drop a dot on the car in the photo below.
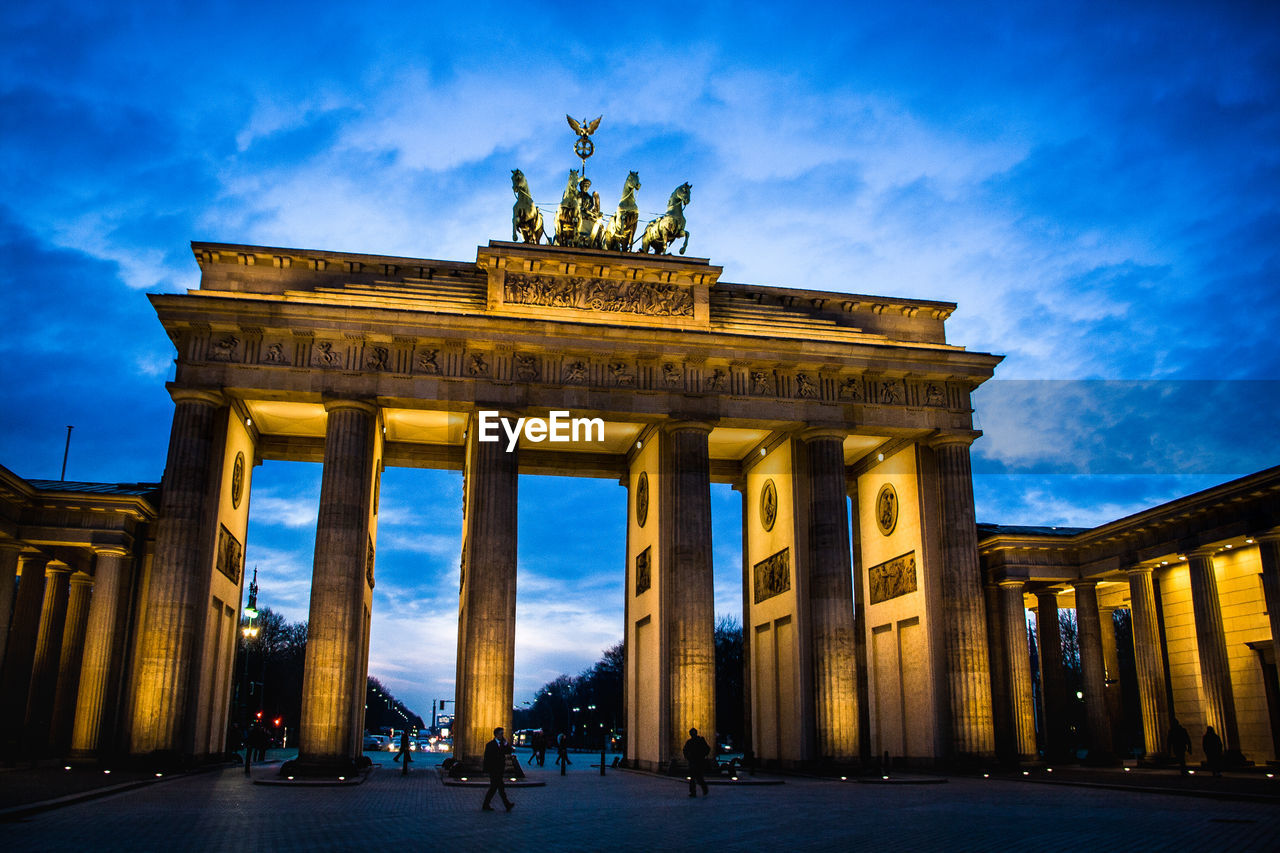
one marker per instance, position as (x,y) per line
(376,743)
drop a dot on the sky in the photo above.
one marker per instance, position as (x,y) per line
(1095,185)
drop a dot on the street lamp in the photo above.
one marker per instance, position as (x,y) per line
(249,630)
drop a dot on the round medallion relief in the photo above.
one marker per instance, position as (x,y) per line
(642,499)
(887,509)
(768,505)
(237,481)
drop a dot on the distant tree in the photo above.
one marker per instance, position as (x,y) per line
(730,701)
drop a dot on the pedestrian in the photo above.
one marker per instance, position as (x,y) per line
(540,747)
(1212,746)
(260,740)
(696,751)
(495,764)
(562,753)
(405,753)
(1179,744)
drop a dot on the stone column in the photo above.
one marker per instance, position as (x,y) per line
(1001,697)
(1053,685)
(1149,660)
(1111,660)
(835,686)
(1093,670)
(335,629)
(860,628)
(690,605)
(9,551)
(1269,554)
(15,682)
(1018,653)
(44,666)
(178,587)
(1211,649)
(487,605)
(964,622)
(98,666)
(64,697)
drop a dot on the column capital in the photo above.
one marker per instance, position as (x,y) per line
(1046,593)
(1139,570)
(1084,582)
(54,567)
(673,425)
(814,433)
(334,404)
(953,439)
(81,579)
(207,396)
(110,551)
(1205,551)
(1012,583)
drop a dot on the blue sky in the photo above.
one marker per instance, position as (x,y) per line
(1095,185)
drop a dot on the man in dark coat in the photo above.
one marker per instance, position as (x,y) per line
(1212,745)
(495,764)
(696,751)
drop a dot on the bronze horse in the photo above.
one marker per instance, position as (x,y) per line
(618,232)
(570,212)
(662,232)
(526,219)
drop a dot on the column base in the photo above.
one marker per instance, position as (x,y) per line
(312,768)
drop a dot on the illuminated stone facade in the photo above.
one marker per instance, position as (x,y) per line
(1197,583)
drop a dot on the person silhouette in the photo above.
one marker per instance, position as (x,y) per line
(1179,744)
(562,753)
(495,764)
(1212,746)
(696,751)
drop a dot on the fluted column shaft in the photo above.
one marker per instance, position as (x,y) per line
(64,698)
(98,666)
(1111,661)
(1018,654)
(1093,667)
(1149,657)
(690,604)
(964,625)
(1269,554)
(1001,698)
(487,611)
(859,628)
(8,589)
(1053,684)
(15,682)
(178,587)
(330,681)
(835,683)
(1211,649)
(44,666)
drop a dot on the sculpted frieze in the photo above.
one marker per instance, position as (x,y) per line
(806,388)
(224,348)
(772,576)
(327,356)
(274,354)
(427,362)
(527,368)
(653,299)
(377,359)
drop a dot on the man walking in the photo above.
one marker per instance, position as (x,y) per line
(696,751)
(1179,744)
(495,764)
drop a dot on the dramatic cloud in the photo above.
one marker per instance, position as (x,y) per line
(1096,190)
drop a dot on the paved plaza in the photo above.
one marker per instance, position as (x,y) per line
(222,810)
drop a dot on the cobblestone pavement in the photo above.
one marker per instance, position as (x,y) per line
(222,810)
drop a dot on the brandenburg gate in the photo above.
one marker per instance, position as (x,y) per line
(843,420)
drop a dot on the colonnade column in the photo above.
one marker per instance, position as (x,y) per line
(487,598)
(965,638)
(176,592)
(687,571)
(332,692)
(835,685)
(1211,649)
(1093,669)
(15,682)
(1053,685)
(1019,656)
(860,628)
(1149,658)
(1001,696)
(9,551)
(98,667)
(44,665)
(1269,553)
(1111,661)
(64,698)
